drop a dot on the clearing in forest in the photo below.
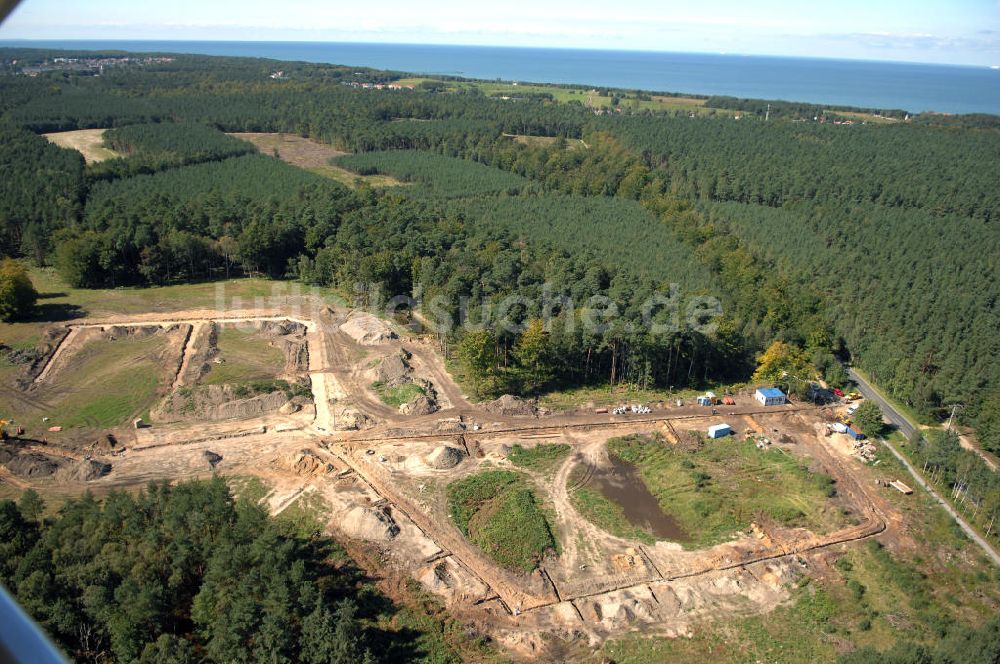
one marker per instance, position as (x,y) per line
(311,156)
(88,142)
(720,486)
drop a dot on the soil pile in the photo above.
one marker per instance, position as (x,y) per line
(509,405)
(347,418)
(421,405)
(443,458)
(136,331)
(368,524)
(84,471)
(450,425)
(32,465)
(217,402)
(305,462)
(368,330)
(290,407)
(394,370)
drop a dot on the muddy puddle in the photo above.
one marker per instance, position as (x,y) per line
(620,483)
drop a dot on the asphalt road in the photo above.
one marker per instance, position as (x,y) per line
(907,429)
(893,415)
(973,535)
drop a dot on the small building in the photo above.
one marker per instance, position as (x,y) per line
(769,396)
(719,430)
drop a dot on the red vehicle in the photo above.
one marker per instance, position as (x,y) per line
(838,392)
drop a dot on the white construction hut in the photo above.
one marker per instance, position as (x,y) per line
(719,430)
(769,396)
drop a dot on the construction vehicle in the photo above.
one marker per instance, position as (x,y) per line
(9,428)
(854,396)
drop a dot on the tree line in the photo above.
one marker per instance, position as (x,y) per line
(186,574)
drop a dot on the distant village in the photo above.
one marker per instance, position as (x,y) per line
(84,65)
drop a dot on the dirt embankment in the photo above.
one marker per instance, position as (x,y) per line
(33,362)
(217,402)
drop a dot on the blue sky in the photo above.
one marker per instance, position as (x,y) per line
(940,31)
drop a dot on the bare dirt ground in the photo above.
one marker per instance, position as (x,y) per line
(375,467)
(85,141)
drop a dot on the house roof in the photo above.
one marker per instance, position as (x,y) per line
(769,392)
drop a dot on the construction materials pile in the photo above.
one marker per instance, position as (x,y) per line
(634,409)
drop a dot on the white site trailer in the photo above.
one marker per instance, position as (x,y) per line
(719,430)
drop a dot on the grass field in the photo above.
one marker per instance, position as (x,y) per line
(498,511)
(104,385)
(718,489)
(88,142)
(248,488)
(312,156)
(246,356)
(397,396)
(540,458)
(307,515)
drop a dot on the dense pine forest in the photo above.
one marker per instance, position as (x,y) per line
(874,244)
(188,573)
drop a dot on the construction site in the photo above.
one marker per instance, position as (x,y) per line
(353,413)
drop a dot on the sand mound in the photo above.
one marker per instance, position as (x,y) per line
(305,462)
(368,330)
(84,471)
(350,419)
(281,328)
(290,407)
(508,404)
(422,405)
(368,524)
(444,457)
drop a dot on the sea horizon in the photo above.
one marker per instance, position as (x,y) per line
(874,84)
